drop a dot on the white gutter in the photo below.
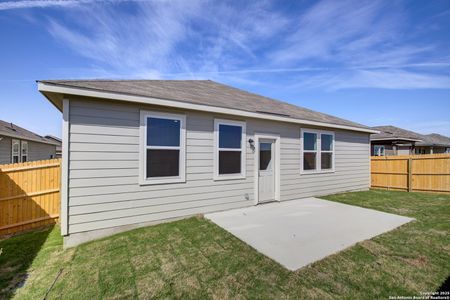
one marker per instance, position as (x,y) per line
(53,88)
(394,139)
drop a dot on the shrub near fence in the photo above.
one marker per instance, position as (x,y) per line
(414,173)
(29,195)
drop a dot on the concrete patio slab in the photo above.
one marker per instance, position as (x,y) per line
(299,232)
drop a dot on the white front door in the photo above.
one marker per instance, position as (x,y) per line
(266,170)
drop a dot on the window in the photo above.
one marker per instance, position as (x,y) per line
(229,152)
(378,150)
(15,151)
(326,151)
(163,148)
(318,151)
(24,149)
(265,156)
(309,151)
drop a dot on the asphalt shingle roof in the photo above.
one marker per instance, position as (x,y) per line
(392,132)
(205,92)
(13,130)
(435,139)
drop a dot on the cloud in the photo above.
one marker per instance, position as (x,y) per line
(327,44)
(379,78)
(38,4)
(167,37)
(142,43)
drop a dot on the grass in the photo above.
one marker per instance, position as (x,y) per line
(194,258)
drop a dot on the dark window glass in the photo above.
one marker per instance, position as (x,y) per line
(309,161)
(265,155)
(325,161)
(162,163)
(229,162)
(24,158)
(309,141)
(163,132)
(15,159)
(230,136)
(327,142)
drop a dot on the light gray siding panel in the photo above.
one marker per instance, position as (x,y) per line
(153,217)
(152,191)
(100,173)
(352,162)
(103,207)
(103,130)
(145,210)
(104,139)
(39,151)
(104,149)
(5,150)
(104,166)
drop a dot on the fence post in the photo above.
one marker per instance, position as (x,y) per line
(410,160)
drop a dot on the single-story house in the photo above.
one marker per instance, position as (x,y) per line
(393,140)
(58,141)
(139,152)
(20,145)
(432,144)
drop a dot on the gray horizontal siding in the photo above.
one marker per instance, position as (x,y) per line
(5,150)
(352,162)
(104,165)
(36,151)
(40,151)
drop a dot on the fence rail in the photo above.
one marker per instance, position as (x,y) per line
(29,195)
(414,173)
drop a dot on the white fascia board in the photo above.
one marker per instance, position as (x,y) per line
(394,139)
(53,88)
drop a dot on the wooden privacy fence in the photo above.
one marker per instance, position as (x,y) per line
(29,195)
(414,173)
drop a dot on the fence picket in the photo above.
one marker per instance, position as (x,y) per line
(29,195)
(414,173)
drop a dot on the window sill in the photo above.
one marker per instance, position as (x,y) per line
(161,181)
(317,172)
(231,177)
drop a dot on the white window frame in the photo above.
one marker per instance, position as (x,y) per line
(15,141)
(243,149)
(382,153)
(143,180)
(318,151)
(22,143)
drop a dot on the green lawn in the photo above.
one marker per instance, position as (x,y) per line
(194,258)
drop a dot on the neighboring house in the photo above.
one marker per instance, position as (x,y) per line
(433,143)
(20,145)
(398,141)
(58,141)
(144,151)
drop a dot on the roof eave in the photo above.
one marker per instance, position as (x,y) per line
(394,139)
(55,92)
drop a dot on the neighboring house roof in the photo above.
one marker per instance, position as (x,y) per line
(390,133)
(14,131)
(54,138)
(207,93)
(434,139)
